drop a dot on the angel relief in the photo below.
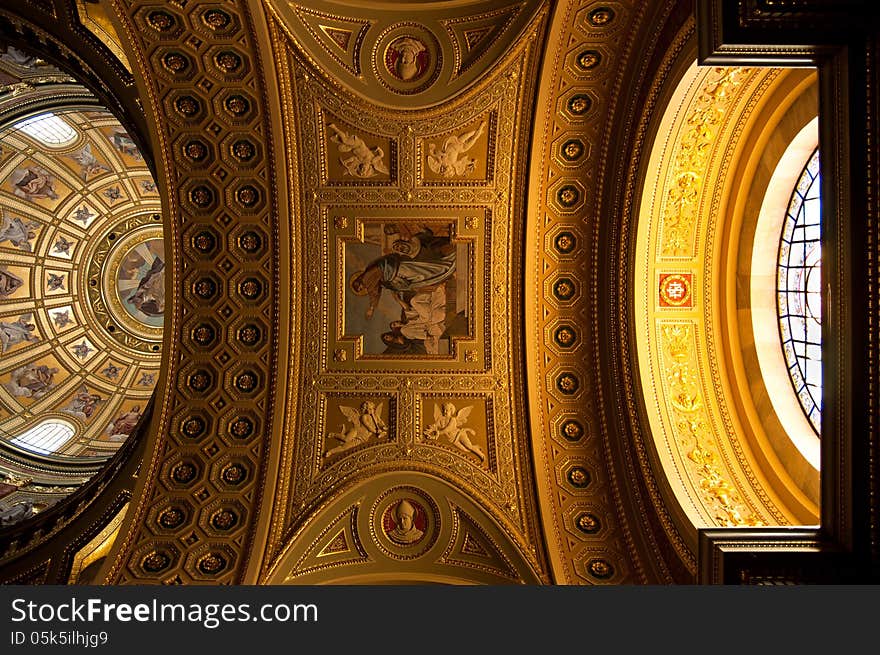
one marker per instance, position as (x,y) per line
(449,425)
(451,160)
(363,161)
(361,425)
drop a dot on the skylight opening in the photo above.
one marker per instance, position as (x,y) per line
(45,438)
(49,129)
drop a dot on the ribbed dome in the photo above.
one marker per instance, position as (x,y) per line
(82,269)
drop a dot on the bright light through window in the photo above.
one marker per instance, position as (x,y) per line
(48,128)
(798,287)
(46,438)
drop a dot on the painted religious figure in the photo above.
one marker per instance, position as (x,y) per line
(449,425)
(125,144)
(83,404)
(33,183)
(141,282)
(9,282)
(31,380)
(123,425)
(15,332)
(365,423)
(407,293)
(451,160)
(18,232)
(15,56)
(88,163)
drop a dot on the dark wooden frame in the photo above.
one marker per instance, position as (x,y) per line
(840,39)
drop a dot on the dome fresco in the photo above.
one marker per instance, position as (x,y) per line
(81,281)
(82,286)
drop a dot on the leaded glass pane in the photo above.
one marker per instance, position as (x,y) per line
(799,301)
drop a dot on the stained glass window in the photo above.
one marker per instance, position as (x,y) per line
(48,128)
(798,291)
(45,438)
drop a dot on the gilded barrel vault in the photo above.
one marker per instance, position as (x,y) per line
(405,376)
(457,291)
(408,349)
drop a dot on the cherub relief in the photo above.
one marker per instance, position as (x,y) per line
(54,282)
(82,350)
(365,424)
(62,246)
(449,424)
(363,162)
(83,215)
(451,160)
(61,318)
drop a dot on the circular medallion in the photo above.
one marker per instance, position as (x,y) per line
(405,522)
(407,58)
(134,282)
(675,290)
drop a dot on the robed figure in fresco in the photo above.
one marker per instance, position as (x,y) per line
(415,273)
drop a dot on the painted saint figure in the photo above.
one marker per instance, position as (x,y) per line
(89,164)
(415,272)
(83,404)
(33,183)
(125,144)
(18,233)
(16,332)
(31,380)
(123,425)
(149,297)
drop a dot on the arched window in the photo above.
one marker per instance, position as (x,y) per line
(48,129)
(799,300)
(46,437)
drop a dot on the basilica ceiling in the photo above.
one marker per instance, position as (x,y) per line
(397,240)
(80,229)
